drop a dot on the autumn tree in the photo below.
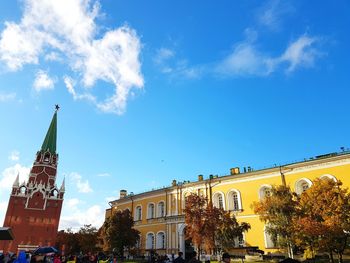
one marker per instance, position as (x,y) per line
(194,219)
(277,211)
(120,232)
(208,226)
(325,217)
(211,222)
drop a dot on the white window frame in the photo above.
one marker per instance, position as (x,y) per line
(150,245)
(138,215)
(262,190)
(160,240)
(268,240)
(159,212)
(238,243)
(230,200)
(150,214)
(138,243)
(298,186)
(216,199)
(332,177)
(184,195)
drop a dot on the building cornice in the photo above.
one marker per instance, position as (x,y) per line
(292,168)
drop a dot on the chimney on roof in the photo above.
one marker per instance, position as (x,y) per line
(123,194)
(234,170)
(200,177)
(173,183)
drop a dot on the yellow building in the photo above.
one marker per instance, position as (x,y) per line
(159,214)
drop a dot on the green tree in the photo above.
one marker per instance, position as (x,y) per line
(67,241)
(120,232)
(87,236)
(277,211)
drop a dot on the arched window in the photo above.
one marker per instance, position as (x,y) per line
(38,156)
(22,190)
(160,240)
(150,211)
(47,157)
(161,209)
(138,213)
(150,241)
(138,242)
(184,196)
(239,241)
(268,239)
(55,193)
(265,191)
(218,200)
(234,200)
(302,185)
(329,176)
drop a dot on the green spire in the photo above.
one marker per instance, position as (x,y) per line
(51,135)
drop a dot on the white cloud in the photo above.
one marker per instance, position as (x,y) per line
(43,81)
(53,56)
(300,53)
(272,13)
(7,96)
(70,83)
(3,208)
(246,59)
(72,203)
(168,63)
(163,54)
(74,218)
(8,176)
(103,175)
(68,28)
(14,155)
(82,186)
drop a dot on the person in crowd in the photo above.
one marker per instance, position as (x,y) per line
(226,258)
(57,259)
(22,257)
(180,258)
(194,258)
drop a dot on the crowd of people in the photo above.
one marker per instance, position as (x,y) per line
(26,257)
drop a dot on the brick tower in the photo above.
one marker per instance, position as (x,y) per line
(34,207)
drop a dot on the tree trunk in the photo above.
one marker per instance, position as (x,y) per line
(340,257)
(331,259)
(290,250)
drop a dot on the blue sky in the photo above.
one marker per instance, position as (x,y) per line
(152,91)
